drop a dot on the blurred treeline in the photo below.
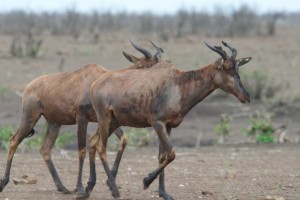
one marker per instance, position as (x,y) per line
(240,22)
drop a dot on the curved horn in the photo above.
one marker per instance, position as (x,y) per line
(158,49)
(233,50)
(218,50)
(146,53)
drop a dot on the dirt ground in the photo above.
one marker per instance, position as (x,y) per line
(244,172)
(252,171)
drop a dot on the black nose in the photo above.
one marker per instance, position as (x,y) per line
(248,99)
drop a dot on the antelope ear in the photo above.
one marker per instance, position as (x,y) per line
(219,63)
(131,58)
(157,58)
(242,61)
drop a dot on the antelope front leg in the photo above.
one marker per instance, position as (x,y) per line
(161,158)
(161,186)
(81,137)
(93,140)
(169,156)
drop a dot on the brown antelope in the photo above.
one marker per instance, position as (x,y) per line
(159,98)
(63,99)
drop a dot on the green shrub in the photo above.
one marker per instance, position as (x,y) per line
(4,92)
(223,128)
(5,134)
(64,138)
(113,143)
(36,141)
(138,137)
(261,129)
(28,47)
(135,137)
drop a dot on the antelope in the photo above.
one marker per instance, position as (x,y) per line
(63,99)
(157,97)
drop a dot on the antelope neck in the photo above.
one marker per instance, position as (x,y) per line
(195,85)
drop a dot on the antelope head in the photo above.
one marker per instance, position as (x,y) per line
(226,74)
(148,60)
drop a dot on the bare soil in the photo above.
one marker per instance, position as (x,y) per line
(242,172)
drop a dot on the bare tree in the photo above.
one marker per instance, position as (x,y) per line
(271,24)
(243,21)
(240,22)
(182,17)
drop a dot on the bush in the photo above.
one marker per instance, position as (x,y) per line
(63,139)
(223,128)
(36,141)
(30,47)
(260,85)
(4,92)
(261,129)
(138,137)
(5,134)
(135,137)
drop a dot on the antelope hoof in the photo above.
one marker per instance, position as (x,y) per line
(147,181)
(88,189)
(64,190)
(114,190)
(113,187)
(165,196)
(3,183)
(115,193)
(79,190)
(82,196)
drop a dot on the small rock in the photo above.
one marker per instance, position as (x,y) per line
(269,197)
(25,179)
(207,193)
(230,174)
(287,186)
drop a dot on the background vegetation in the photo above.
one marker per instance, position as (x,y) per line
(243,21)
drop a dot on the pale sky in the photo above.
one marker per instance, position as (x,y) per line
(154,6)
